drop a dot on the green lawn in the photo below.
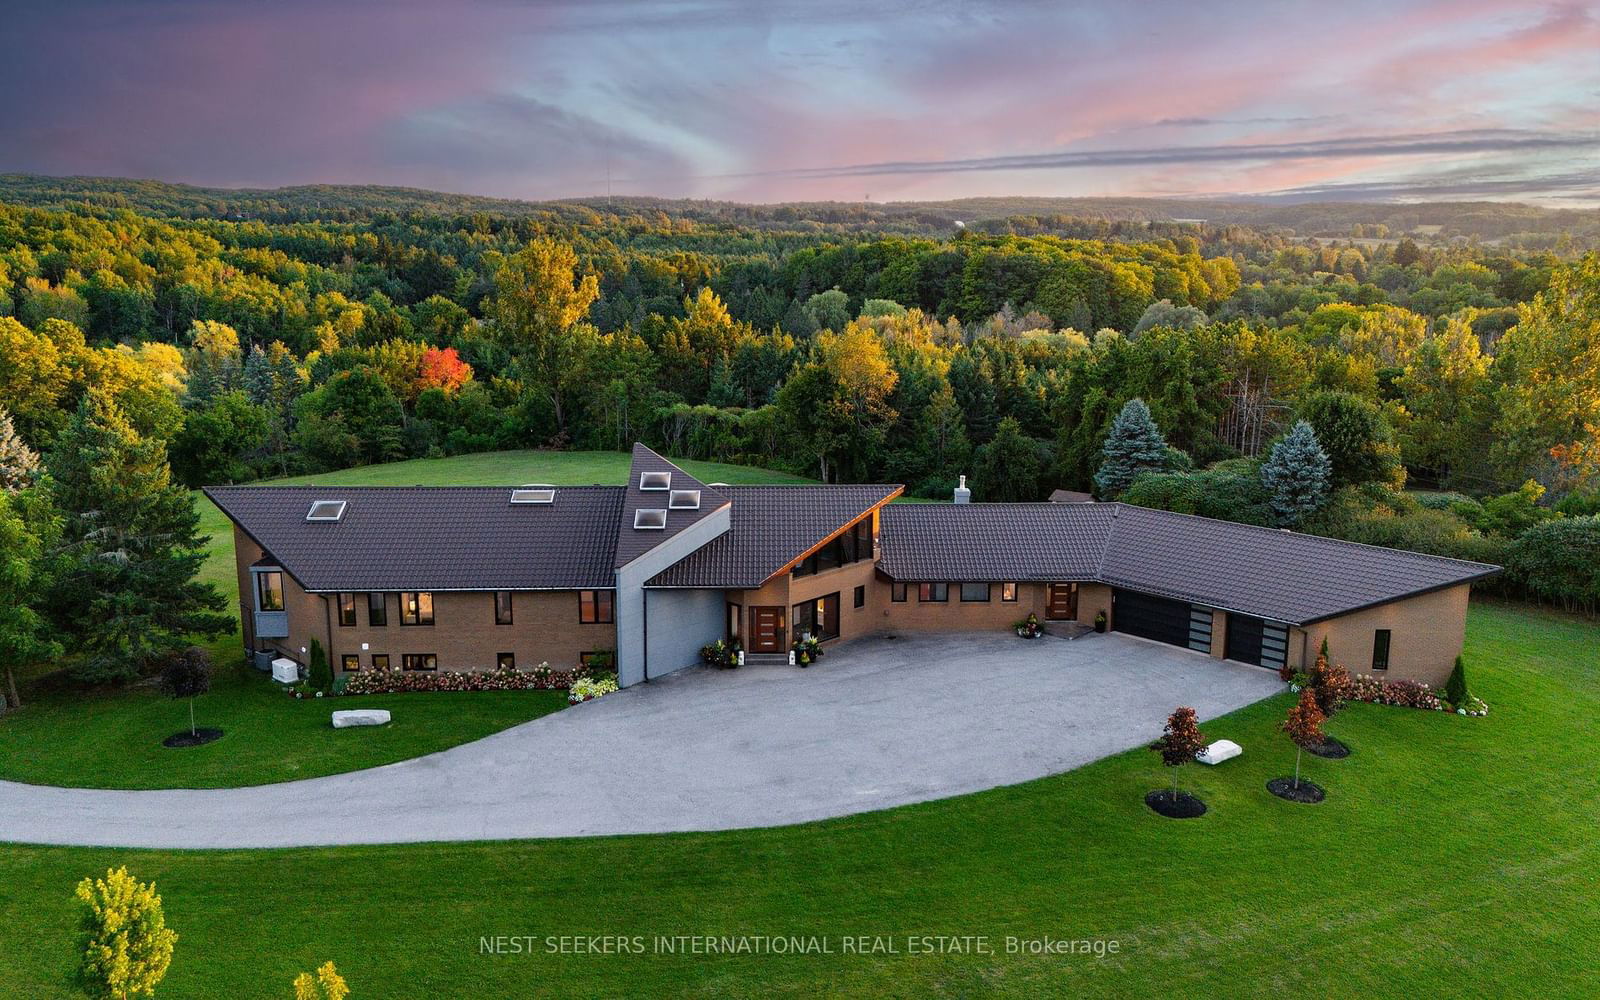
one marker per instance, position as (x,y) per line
(63,736)
(1454,857)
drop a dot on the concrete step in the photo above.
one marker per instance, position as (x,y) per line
(766,659)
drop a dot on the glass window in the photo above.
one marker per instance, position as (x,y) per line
(861,597)
(502,607)
(595,607)
(380,661)
(818,618)
(933,592)
(1380,649)
(377,610)
(897,593)
(350,661)
(416,608)
(735,619)
(269,591)
(506,661)
(419,661)
(1008,592)
(347,609)
(974,592)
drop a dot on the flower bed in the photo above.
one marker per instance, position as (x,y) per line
(1406,694)
(589,688)
(393,681)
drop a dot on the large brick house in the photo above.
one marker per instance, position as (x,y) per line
(470,578)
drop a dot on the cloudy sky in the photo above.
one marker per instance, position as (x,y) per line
(807,99)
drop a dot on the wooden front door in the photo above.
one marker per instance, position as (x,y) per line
(1063,603)
(767,630)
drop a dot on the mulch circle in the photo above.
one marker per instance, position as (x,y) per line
(200,737)
(1284,788)
(1184,806)
(1332,749)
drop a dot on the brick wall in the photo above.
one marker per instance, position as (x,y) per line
(1426,634)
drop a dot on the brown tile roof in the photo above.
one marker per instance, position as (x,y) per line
(1263,572)
(770,527)
(433,537)
(631,542)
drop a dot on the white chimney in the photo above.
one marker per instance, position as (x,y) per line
(963,495)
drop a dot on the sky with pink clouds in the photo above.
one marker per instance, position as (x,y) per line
(815,99)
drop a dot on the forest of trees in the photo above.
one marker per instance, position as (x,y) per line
(254,348)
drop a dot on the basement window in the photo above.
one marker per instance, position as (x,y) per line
(684,500)
(326,510)
(655,480)
(534,494)
(649,519)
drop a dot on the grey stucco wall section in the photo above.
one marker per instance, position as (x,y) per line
(680,622)
(630,591)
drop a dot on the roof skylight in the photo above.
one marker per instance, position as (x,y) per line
(649,519)
(655,480)
(684,500)
(534,493)
(326,510)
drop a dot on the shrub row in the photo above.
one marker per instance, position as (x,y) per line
(1406,694)
(393,681)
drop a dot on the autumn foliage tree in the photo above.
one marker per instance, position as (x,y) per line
(1180,742)
(1330,684)
(1304,726)
(442,368)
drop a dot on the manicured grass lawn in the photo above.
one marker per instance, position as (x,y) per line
(1454,857)
(64,736)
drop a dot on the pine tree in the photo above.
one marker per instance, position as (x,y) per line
(128,593)
(1134,445)
(1009,466)
(19,464)
(257,377)
(1297,472)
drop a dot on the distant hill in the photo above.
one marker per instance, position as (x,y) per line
(359,203)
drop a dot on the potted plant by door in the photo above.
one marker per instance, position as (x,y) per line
(1100,622)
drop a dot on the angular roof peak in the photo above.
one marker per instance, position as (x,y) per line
(652,480)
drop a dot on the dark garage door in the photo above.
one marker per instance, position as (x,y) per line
(1251,640)
(1174,622)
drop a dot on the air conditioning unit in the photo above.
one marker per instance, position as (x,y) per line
(285,671)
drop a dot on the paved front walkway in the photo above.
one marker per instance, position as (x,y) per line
(881,722)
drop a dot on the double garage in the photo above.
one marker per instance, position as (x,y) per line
(1193,626)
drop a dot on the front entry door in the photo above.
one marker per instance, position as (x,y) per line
(766,630)
(1063,603)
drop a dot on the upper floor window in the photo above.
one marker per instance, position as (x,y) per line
(269,591)
(347,609)
(416,608)
(595,607)
(502,607)
(377,610)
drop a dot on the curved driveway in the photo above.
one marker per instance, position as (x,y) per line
(881,722)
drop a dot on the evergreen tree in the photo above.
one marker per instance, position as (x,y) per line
(257,377)
(1134,445)
(19,464)
(723,391)
(1297,472)
(128,592)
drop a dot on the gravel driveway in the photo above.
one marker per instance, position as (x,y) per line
(880,722)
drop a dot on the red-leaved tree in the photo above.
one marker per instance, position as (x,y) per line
(1304,726)
(442,369)
(1179,743)
(1330,685)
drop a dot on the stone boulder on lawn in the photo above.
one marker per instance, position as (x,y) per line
(361,717)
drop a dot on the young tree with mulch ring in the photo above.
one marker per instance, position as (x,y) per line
(187,674)
(1332,688)
(1304,726)
(1180,742)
